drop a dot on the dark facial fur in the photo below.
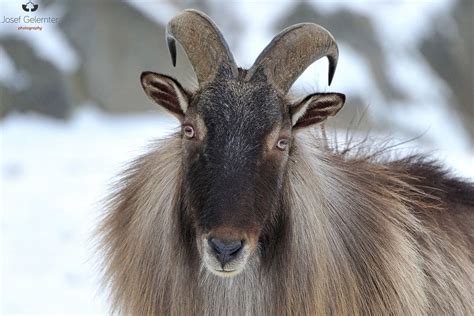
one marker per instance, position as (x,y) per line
(232,177)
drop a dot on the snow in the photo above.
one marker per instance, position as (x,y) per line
(158,11)
(7,67)
(399,22)
(53,177)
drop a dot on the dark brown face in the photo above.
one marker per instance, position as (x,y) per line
(236,138)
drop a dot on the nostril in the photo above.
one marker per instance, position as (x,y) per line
(225,250)
(225,247)
(233,251)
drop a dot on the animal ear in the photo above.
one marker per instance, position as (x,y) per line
(316,108)
(166,92)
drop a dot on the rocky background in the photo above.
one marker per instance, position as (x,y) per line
(112,42)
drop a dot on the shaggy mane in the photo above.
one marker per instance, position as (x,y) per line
(354,236)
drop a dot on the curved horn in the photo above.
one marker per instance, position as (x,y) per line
(203,43)
(292,51)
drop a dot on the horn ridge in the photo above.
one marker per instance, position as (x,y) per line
(292,51)
(203,43)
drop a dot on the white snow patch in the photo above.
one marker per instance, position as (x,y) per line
(7,67)
(396,22)
(53,178)
(159,11)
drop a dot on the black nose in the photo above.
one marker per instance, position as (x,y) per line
(225,250)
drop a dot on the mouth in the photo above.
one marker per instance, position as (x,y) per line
(225,273)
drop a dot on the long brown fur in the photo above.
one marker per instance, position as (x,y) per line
(358,237)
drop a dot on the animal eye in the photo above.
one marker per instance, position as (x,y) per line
(282,144)
(188,131)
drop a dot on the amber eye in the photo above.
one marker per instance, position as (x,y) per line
(188,131)
(282,144)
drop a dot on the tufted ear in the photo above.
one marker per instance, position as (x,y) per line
(166,92)
(316,108)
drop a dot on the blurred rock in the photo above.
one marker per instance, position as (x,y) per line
(116,43)
(39,86)
(450,53)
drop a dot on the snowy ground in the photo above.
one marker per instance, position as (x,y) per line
(53,177)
